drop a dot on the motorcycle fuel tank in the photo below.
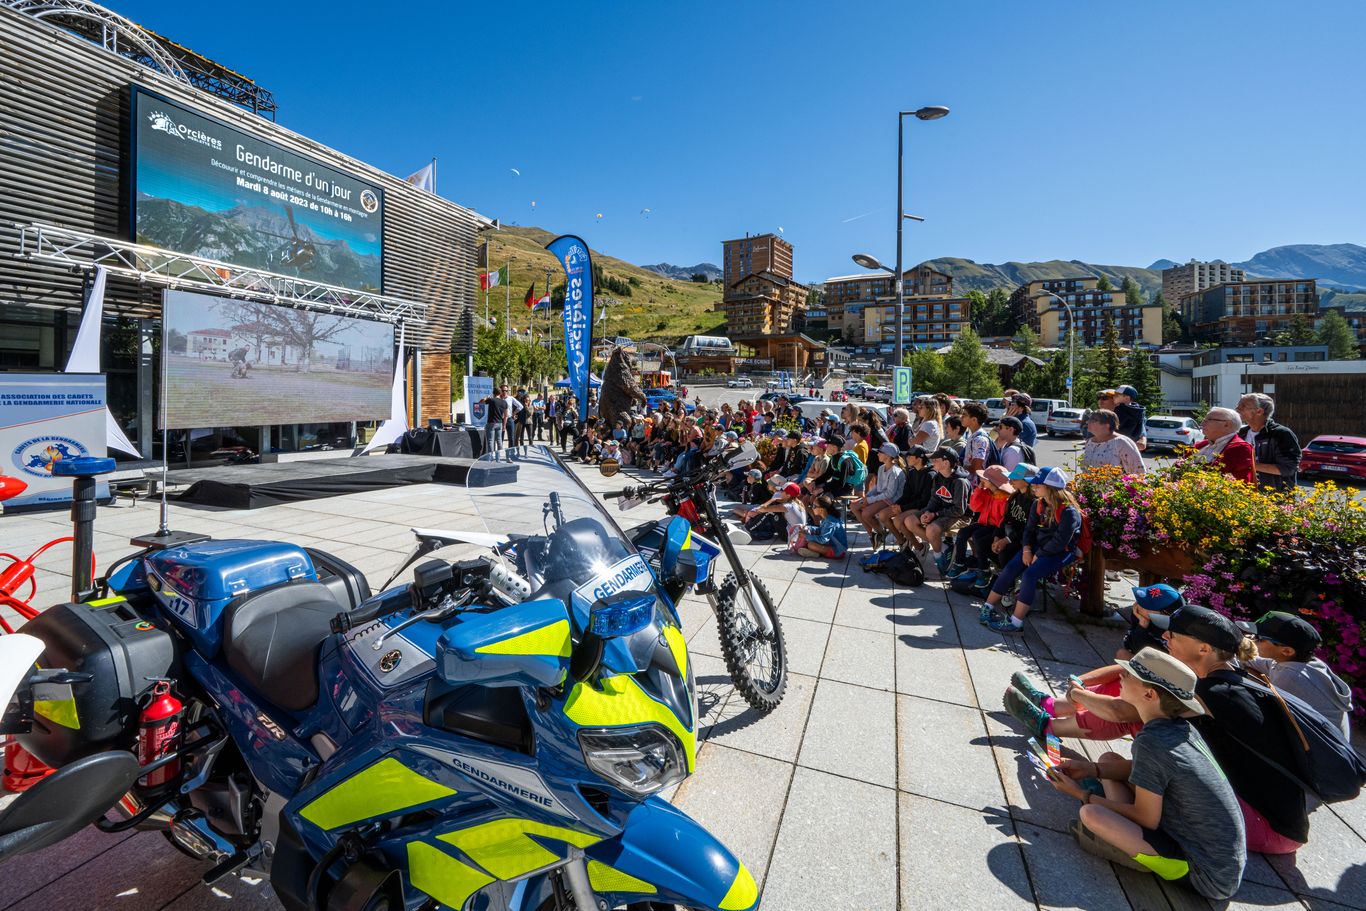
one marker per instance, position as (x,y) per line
(195,583)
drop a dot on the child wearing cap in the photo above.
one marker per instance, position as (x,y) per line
(826,539)
(1170,810)
(915,494)
(1092,711)
(1050,543)
(788,502)
(1009,536)
(947,510)
(1285,654)
(988,503)
(884,492)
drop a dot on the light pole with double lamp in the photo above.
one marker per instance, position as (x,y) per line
(1071,340)
(932,112)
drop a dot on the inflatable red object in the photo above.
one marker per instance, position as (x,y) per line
(11,487)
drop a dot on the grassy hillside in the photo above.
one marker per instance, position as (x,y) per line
(658,309)
(972,276)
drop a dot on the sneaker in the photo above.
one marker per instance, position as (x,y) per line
(982,585)
(922,550)
(1027,713)
(669,474)
(955,570)
(985,613)
(1093,844)
(943,560)
(1029,687)
(1004,624)
(1008,601)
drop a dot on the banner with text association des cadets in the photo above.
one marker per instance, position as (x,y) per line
(572,253)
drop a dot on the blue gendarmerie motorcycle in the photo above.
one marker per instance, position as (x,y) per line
(492,736)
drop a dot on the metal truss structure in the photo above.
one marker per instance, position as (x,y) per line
(128,39)
(151,265)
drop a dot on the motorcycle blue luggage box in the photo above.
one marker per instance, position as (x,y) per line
(195,583)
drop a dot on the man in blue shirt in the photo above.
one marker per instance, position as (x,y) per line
(1020,405)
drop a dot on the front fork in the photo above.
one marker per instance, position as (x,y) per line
(742,578)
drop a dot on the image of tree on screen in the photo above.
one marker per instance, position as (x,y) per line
(249,362)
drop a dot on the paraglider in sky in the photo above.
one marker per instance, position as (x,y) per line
(645,212)
(533,205)
(515,171)
(780,229)
(599,216)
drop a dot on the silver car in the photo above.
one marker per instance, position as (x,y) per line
(1064,422)
(1168,431)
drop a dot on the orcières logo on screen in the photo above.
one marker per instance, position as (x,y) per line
(162,123)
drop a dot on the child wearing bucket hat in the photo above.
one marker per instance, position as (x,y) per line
(1050,544)
(1170,810)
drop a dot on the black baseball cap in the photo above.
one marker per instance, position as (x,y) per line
(1013,423)
(945,453)
(836,440)
(1285,629)
(794,434)
(920,452)
(1198,622)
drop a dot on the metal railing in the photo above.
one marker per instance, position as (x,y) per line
(152,265)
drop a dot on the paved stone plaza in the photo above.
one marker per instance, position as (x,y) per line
(889,779)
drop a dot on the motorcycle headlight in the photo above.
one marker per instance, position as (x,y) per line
(641,759)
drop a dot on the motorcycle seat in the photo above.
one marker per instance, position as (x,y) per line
(271,639)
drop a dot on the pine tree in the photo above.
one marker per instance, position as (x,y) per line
(1103,284)
(1338,335)
(1026,342)
(1142,375)
(1133,294)
(1172,328)
(967,370)
(1111,358)
(927,369)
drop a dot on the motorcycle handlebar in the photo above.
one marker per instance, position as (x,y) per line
(347,621)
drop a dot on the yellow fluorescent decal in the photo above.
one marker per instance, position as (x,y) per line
(101,602)
(552,640)
(441,876)
(679,646)
(504,846)
(743,892)
(383,788)
(609,879)
(623,702)
(58,711)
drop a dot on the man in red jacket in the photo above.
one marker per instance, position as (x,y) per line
(1222,446)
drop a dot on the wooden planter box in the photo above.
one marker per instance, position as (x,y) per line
(1154,564)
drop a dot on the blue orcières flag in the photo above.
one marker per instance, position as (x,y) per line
(573,255)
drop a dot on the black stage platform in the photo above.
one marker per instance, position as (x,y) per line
(255,486)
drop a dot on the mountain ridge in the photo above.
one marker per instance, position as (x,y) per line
(685,273)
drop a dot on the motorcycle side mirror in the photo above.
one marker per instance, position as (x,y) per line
(687,568)
(525,644)
(609,467)
(429,579)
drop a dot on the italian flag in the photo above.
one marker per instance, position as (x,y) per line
(493,279)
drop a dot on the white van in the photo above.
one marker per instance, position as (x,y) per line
(1043,408)
(812,410)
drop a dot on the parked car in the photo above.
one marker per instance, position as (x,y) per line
(1043,408)
(996,409)
(854,387)
(1335,456)
(877,393)
(1064,422)
(812,408)
(740,382)
(792,397)
(1168,431)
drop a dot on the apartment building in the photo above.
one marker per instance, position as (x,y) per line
(1093,309)
(847,296)
(1195,276)
(1243,312)
(928,322)
(760,296)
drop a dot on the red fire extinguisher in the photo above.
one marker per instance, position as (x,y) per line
(159,734)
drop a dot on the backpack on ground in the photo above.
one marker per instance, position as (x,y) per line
(966,583)
(766,526)
(902,567)
(1325,765)
(873,562)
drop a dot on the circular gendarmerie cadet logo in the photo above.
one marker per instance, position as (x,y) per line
(37,456)
(369,201)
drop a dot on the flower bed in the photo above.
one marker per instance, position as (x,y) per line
(1302,552)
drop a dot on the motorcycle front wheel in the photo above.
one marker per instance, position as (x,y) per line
(554,904)
(757,662)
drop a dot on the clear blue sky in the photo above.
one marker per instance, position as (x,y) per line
(1106,132)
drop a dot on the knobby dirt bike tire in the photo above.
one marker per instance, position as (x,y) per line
(731,624)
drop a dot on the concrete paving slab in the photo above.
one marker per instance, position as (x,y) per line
(22,878)
(859,656)
(1066,877)
(836,847)
(925,619)
(247,892)
(851,732)
(932,669)
(1331,866)
(808,601)
(142,873)
(867,610)
(745,819)
(952,857)
(1030,797)
(926,730)
(777,735)
(805,643)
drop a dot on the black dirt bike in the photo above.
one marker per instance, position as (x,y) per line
(747,621)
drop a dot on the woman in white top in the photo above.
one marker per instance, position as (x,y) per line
(1107,447)
(928,429)
(884,493)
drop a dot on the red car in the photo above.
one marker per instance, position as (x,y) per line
(1332,456)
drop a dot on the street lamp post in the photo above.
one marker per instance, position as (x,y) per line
(932,112)
(1071,342)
